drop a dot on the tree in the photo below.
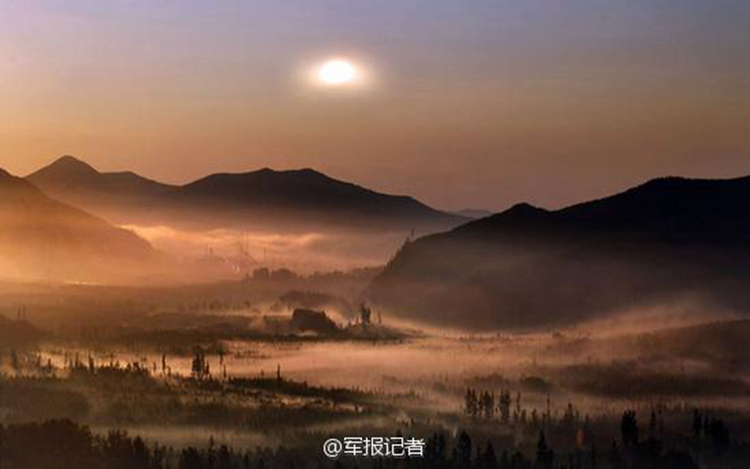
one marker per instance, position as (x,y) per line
(470,402)
(488,404)
(225,458)
(652,426)
(140,456)
(697,424)
(365,314)
(629,428)
(504,406)
(719,434)
(14,361)
(464,448)
(544,456)
(190,459)
(200,367)
(435,450)
(489,458)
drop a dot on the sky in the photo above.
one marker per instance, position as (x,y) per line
(472,103)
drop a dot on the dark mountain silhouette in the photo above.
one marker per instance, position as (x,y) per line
(105,194)
(667,240)
(266,198)
(41,238)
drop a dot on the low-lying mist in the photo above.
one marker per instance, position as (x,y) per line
(231,253)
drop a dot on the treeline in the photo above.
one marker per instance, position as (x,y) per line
(65,444)
(117,395)
(591,443)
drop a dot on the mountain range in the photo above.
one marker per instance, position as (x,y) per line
(43,239)
(669,240)
(265,199)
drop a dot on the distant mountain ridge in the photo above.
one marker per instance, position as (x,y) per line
(297,198)
(474,213)
(105,194)
(43,239)
(667,239)
(669,207)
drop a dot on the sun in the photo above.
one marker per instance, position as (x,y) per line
(337,72)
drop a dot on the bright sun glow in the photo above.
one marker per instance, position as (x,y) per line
(337,72)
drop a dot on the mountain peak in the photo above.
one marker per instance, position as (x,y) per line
(68,166)
(287,172)
(71,163)
(660,241)
(287,197)
(523,209)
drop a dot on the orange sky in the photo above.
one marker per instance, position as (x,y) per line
(475,104)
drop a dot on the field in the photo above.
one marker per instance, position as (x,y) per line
(226,366)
